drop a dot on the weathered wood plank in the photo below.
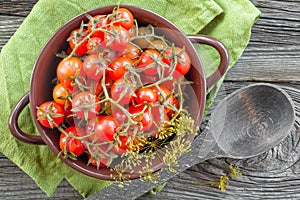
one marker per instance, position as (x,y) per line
(8,26)
(15,184)
(16,7)
(275,44)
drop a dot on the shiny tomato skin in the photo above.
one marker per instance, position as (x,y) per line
(123,18)
(50,109)
(100,22)
(123,146)
(145,96)
(70,144)
(164,96)
(183,62)
(117,38)
(142,115)
(75,38)
(118,67)
(148,58)
(90,129)
(105,128)
(128,143)
(118,88)
(60,94)
(85,105)
(93,67)
(131,51)
(94,44)
(67,69)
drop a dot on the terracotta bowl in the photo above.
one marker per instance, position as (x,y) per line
(45,70)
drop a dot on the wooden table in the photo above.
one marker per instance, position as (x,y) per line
(273,55)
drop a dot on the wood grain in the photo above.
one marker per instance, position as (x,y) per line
(16,7)
(8,26)
(274,45)
(273,55)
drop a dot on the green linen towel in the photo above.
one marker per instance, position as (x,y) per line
(229,21)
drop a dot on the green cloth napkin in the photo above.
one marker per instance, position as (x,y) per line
(229,21)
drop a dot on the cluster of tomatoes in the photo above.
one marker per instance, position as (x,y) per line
(114,89)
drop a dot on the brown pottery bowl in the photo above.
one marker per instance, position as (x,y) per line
(45,70)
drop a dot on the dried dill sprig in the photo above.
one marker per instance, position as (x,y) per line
(148,175)
(184,126)
(168,150)
(223,182)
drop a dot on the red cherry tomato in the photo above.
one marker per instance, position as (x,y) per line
(131,51)
(118,67)
(116,38)
(66,71)
(105,128)
(165,96)
(142,115)
(145,96)
(85,105)
(93,66)
(60,94)
(75,38)
(183,63)
(123,17)
(122,91)
(71,144)
(50,114)
(123,146)
(98,22)
(148,61)
(94,44)
(128,143)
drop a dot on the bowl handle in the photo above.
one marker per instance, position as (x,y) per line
(14,126)
(223,52)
